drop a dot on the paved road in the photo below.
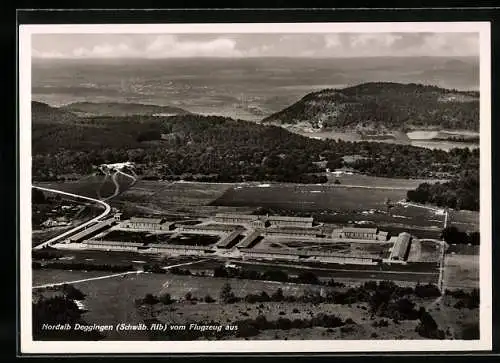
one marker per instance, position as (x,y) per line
(107,210)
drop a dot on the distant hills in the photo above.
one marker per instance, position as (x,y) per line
(121,109)
(44,113)
(383,106)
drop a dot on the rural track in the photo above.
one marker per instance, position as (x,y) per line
(185,264)
(107,210)
(89,279)
(113,275)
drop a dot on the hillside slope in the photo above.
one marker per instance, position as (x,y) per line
(383,106)
(42,113)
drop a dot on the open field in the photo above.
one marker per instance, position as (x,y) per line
(464,220)
(157,197)
(92,186)
(48,276)
(424,251)
(113,300)
(461,265)
(111,258)
(347,180)
(308,198)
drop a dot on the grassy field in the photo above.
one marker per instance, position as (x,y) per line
(461,267)
(424,251)
(93,186)
(465,220)
(49,276)
(308,198)
(371,181)
(157,197)
(112,258)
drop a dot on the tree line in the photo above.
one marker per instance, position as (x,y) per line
(460,193)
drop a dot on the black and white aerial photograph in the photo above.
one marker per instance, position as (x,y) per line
(237,184)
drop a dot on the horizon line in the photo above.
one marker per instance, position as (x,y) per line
(254,57)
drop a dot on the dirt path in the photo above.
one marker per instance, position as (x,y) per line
(89,279)
(113,275)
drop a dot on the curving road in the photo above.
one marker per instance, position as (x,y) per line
(107,210)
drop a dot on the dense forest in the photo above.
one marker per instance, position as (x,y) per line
(213,148)
(384,106)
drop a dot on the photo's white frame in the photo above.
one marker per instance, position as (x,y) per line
(253,346)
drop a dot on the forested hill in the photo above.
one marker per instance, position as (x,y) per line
(42,113)
(212,148)
(384,106)
(120,109)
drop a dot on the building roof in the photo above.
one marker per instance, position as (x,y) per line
(90,230)
(360,230)
(248,240)
(290,219)
(238,216)
(92,242)
(270,218)
(401,245)
(146,220)
(228,240)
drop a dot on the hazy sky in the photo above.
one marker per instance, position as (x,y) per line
(253,45)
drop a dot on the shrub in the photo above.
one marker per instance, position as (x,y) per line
(166,299)
(150,299)
(278,295)
(72,292)
(209,299)
(308,277)
(428,290)
(226,295)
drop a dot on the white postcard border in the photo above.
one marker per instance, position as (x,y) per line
(253,346)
